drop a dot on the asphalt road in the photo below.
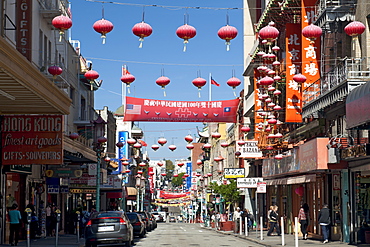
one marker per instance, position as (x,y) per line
(183,235)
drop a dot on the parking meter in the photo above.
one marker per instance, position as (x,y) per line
(57,227)
(28,222)
(78,225)
(58,215)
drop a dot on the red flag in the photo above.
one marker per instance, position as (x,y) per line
(125,71)
(143,143)
(213,82)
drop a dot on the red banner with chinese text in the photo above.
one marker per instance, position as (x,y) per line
(310,55)
(169,195)
(152,110)
(32,139)
(293,110)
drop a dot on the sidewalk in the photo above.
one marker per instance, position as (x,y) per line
(64,240)
(273,241)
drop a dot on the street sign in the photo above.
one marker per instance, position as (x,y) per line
(261,187)
(234,172)
(248,182)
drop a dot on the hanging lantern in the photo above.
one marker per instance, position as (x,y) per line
(172,147)
(233,82)
(199,162)
(139,172)
(209,174)
(265,81)
(312,32)
(188,138)
(74,136)
(127,171)
(278,157)
(131,141)
(207,146)
(62,23)
(176,175)
(218,159)
(55,71)
(299,78)
(216,135)
(272,121)
(103,27)
(268,33)
(119,144)
(190,146)
(238,153)
(186,32)
(198,175)
(163,174)
(91,75)
(128,79)
(163,81)
(160,164)
(241,142)
(142,30)
(102,139)
(180,164)
(137,145)
(245,129)
(277,92)
(162,141)
(155,147)
(278,135)
(186,175)
(125,163)
(354,28)
(277,108)
(142,164)
(224,144)
(227,33)
(199,83)
(151,173)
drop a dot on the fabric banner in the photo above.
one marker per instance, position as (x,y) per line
(169,195)
(152,110)
(310,55)
(293,42)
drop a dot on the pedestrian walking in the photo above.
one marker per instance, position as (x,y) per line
(324,221)
(15,225)
(236,219)
(303,218)
(273,220)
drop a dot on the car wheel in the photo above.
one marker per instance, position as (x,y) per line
(142,234)
(128,244)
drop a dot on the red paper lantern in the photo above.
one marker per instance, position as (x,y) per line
(125,163)
(186,175)
(199,83)
(241,142)
(218,159)
(103,27)
(199,162)
(163,81)
(233,82)
(74,136)
(55,71)
(299,191)
(216,135)
(62,23)
(238,153)
(190,146)
(128,79)
(268,33)
(127,171)
(176,175)
(312,32)
(163,174)
(224,144)
(160,164)
(299,78)
(265,81)
(207,146)
(151,173)
(180,164)
(155,147)
(140,172)
(137,145)
(131,141)
(162,141)
(91,75)
(142,164)
(172,147)
(355,28)
(278,157)
(189,138)
(186,32)
(227,33)
(102,139)
(245,129)
(119,144)
(142,30)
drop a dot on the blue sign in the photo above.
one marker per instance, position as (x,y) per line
(123,151)
(189,171)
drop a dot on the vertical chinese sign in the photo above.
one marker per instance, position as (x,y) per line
(293,66)
(310,55)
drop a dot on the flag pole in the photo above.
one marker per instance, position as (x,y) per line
(210,86)
(124,89)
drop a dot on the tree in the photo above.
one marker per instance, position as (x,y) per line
(177,181)
(169,169)
(229,192)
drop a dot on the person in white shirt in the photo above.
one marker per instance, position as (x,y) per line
(236,219)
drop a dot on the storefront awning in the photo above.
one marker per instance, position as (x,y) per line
(292,180)
(131,191)
(357,106)
(114,194)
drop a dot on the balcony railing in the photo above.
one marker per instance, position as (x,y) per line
(323,5)
(353,71)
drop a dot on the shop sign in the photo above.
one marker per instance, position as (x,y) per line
(248,182)
(21,168)
(53,189)
(261,187)
(355,151)
(234,172)
(249,150)
(32,139)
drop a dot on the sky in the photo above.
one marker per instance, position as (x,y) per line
(162,54)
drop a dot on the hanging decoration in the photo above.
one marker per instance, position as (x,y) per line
(180,164)
(199,83)
(312,32)
(354,28)
(227,33)
(269,33)
(224,144)
(62,23)
(245,129)
(162,141)
(188,138)
(74,136)
(190,146)
(155,147)
(163,81)
(91,75)
(55,71)
(131,141)
(142,30)
(186,31)
(216,135)
(127,78)
(233,82)
(172,147)
(160,164)
(103,27)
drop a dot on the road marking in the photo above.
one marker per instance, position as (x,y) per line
(200,231)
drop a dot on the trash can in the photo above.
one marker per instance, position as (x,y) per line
(367,237)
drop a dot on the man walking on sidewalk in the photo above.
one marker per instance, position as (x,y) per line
(236,219)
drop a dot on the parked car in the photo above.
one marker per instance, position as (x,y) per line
(146,217)
(109,228)
(154,221)
(137,223)
(172,219)
(158,216)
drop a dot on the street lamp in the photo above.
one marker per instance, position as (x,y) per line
(99,146)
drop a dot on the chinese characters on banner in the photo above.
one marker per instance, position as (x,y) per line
(152,110)
(293,66)
(310,55)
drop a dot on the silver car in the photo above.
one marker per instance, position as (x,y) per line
(109,228)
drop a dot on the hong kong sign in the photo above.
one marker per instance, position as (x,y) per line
(138,109)
(32,139)
(234,172)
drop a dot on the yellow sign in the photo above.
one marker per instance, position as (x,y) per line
(75,190)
